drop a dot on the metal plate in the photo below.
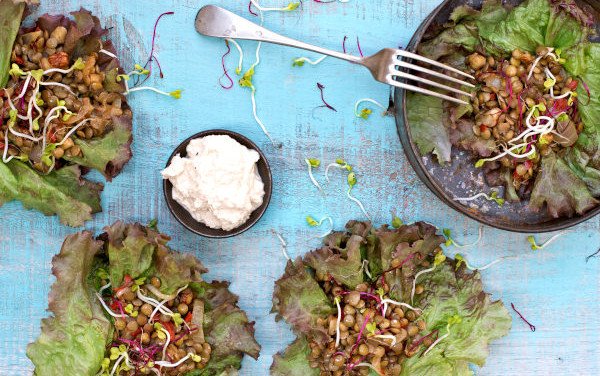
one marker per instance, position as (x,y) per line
(461,178)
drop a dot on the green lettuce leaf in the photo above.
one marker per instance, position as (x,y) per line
(425,116)
(293,361)
(456,292)
(73,340)
(524,27)
(408,243)
(11,14)
(64,192)
(130,252)
(299,300)
(584,157)
(461,134)
(557,186)
(343,261)
(227,328)
(453,38)
(109,153)
(449,291)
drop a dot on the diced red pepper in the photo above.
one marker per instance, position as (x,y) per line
(483,128)
(168,325)
(114,305)
(188,317)
(127,281)
(19,60)
(573,85)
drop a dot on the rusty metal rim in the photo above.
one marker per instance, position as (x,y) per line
(413,156)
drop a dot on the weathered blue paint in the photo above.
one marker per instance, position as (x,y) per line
(554,288)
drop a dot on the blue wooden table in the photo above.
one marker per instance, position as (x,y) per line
(555,288)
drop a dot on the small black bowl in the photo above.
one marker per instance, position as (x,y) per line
(188,221)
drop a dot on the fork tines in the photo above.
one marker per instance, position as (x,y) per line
(397,71)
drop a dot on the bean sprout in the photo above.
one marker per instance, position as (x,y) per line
(66,87)
(167,340)
(535,63)
(368,365)
(6,159)
(436,342)
(173,365)
(161,304)
(73,130)
(108,53)
(310,174)
(119,360)
(358,202)
(414,286)
(387,336)
(283,244)
(339,319)
(385,303)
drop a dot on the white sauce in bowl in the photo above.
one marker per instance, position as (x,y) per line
(218,182)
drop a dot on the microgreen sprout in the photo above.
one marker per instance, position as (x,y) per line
(351,183)
(238,70)
(313,223)
(339,319)
(365,113)
(535,246)
(451,321)
(77,65)
(450,241)
(246,81)
(194,357)
(438,260)
(371,328)
(313,163)
(289,8)
(152,57)
(396,222)
(299,62)
(283,244)
(460,260)
(491,197)
(173,94)
(224,67)
(593,255)
(531,326)
(508,151)
(339,164)
(321,88)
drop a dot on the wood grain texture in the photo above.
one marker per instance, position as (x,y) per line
(555,288)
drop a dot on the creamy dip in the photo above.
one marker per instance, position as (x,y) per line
(218,182)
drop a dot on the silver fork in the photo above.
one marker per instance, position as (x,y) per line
(386,66)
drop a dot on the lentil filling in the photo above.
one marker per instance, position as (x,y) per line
(527,105)
(61,90)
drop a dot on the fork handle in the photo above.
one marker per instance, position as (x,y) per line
(215,21)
